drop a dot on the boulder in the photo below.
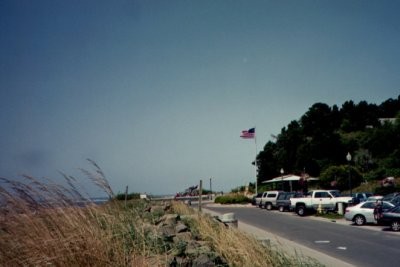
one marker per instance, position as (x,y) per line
(203,260)
(181,227)
(184,236)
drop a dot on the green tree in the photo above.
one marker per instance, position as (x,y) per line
(321,138)
(340,177)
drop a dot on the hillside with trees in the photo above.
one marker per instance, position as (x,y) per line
(317,144)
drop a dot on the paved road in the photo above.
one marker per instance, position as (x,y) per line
(360,246)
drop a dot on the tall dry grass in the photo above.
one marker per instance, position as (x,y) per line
(41,225)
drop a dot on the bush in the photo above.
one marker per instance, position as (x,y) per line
(130,196)
(232,199)
(386,190)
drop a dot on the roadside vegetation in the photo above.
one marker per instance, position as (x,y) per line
(44,224)
(233,198)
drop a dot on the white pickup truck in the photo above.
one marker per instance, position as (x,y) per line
(324,199)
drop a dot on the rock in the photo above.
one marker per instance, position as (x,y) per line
(167,207)
(181,227)
(179,248)
(168,219)
(185,236)
(148,209)
(194,248)
(203,260)
(167,231)
(184,262)
(183,247)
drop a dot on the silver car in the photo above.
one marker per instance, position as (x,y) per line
(363,212)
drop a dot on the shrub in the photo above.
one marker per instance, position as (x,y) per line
(386,190)
(232,199)
(130,196)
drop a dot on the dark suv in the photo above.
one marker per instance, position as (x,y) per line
(283,200)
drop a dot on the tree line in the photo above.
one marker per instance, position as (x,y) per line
(317,144)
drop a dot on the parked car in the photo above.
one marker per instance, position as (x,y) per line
(283,200)
(255,201)
(374,198)
(396,200)
(393,198)
(363,212)
(268,199)
(361,196)
(392,218)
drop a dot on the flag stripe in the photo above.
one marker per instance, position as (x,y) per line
(248,134)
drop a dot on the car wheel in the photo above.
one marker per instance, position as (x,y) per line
(268,206)
(301,210)
(395,226)
(359,220)
(281,208)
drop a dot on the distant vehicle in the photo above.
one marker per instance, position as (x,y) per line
(393,197)
(363,212)
(283,200)
(255,201)
(374,198)
(361,196)
(396,200)
(324,199)
(392,218)
(268,199)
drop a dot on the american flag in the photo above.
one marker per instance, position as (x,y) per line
(248,134)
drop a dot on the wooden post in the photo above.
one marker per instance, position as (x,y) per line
(126,195)
(200,194)
(210,190)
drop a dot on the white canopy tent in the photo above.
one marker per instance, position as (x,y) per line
(288,178)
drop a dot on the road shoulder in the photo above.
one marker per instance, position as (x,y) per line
(287,245)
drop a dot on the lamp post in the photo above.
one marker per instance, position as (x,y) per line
(282,171)
(348,157)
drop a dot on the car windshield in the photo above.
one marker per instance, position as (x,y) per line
(389,196)
(335,193)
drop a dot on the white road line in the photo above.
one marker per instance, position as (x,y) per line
(322,241)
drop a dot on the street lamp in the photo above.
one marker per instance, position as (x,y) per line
(348,157)
(282,171)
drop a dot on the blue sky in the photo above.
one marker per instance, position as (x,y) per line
(157,92)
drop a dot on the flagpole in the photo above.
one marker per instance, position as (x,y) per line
(251,134)
(255,160)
